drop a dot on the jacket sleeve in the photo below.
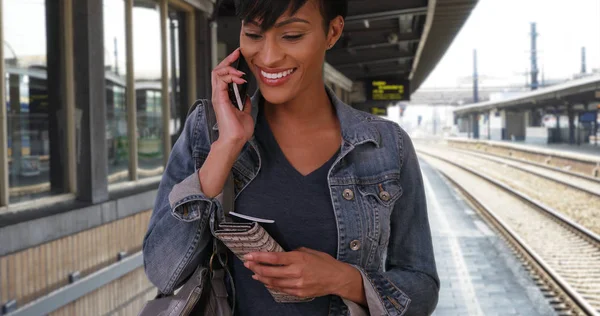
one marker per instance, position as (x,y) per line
(178,236)
(409,284)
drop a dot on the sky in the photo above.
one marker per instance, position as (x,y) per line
(24,27)
(499,30)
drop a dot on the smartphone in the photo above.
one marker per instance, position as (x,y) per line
(237,92)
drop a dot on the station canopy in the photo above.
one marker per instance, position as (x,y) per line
(403,39)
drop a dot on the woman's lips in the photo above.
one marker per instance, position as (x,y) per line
(273,79)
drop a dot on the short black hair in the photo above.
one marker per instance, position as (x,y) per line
(270,10)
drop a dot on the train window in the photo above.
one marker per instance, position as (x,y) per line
(27,99)
(117,144)
(147,69)
(176,55)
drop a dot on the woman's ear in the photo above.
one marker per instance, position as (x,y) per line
(336,27)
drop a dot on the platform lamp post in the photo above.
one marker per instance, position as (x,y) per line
(583,65)
(534,66)
(475,78)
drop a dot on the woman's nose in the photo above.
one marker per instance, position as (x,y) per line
(271,54)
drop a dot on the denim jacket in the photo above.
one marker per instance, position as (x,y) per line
(378,201)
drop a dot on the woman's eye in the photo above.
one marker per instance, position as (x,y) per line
(253,36)
(293,37)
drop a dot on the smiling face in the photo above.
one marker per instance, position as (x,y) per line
(287,59)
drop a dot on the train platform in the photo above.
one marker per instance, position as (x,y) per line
(583,149)
(479,274)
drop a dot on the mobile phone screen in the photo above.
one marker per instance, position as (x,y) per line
(237,92)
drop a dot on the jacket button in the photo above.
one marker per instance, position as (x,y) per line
(348,194)
(355,245)
(384,195)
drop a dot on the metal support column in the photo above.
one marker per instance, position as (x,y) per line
(534,57)
(166,109)
(175,107)
(534,118)
(570,114)
(578,129)
(475,78)
(69,94)
(15,124)
(590,108)
(526,122)
(61,97)
(191,59)
(596,129)
(90,98)
(476,126)
(3,127)
(203,55)
(470,126)
(130,96)
(558,138)
(213,44)
(489,125)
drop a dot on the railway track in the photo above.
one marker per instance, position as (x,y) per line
(563,167)
(575,181)
(562,256)
(582,206)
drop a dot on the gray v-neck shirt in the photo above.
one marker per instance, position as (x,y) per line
(303,212)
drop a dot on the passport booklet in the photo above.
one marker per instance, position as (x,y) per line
(246,234)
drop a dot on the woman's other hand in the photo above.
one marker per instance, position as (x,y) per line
(235,127)
(306,273)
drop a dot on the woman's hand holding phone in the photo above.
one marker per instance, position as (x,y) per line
(235,128)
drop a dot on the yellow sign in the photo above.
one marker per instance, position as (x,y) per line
(378,111)
(384,91)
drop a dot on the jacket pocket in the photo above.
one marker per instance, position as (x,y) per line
(377,198)
(383,193)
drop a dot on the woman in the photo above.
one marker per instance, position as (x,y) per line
(343,186)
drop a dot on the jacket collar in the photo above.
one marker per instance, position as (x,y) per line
(356,127)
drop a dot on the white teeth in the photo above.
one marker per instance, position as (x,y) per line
(277,75)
